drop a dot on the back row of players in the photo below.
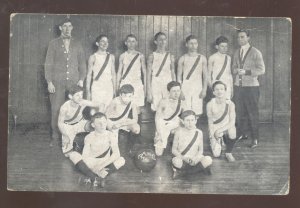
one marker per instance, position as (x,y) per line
(175,102)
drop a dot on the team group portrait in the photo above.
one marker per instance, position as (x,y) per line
(149,104)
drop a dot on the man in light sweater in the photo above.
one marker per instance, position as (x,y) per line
(248,64)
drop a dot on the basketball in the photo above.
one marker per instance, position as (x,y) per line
(145,160)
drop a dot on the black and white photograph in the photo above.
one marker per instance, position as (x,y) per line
(149,104)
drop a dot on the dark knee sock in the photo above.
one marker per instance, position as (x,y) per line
(82,167)
(229,143)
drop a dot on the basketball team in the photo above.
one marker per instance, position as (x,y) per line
(116,98)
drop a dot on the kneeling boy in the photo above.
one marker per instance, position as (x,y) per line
(70,119)
(188,148)
(221,121)
(167,116)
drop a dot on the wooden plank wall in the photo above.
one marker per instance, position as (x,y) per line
(31,33)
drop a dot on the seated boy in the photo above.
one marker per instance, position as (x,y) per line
(166,117)
(188,148)
(221,121)
(100,154)
(70,119)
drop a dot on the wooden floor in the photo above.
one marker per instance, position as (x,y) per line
(34,166)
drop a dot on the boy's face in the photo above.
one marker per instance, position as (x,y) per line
(131,43)
(77,97)
(192,45)
(66,29)
(243,39)
(99,124)
(219,90)
(161,41)
(103,43)
(222,48)
(175,92)
(126,97)
(189,122)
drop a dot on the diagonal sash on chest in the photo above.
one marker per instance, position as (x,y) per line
(74,116)
(162,64)
(222,70)
(193,68)
(242,62)
(123,114)
(103,67)
(219,120)
(130,66)
(105,153)
(176,111)
(190,144)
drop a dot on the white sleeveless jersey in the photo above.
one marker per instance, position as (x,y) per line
(217,67)
(188,62)
(99,61)
(135,71)
(166,70)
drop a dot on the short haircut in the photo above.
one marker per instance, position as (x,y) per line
(126,88)
(244,31)
(74,89)
(221,39)
(97,115)
(131,36)
(100,37)
(218,82)
(190,37)
(65,20)
(159,34)
(187,113)
(173,84)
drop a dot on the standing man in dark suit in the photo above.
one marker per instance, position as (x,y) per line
(248,64)
(65,66)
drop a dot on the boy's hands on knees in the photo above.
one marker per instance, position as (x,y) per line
(80,83)
(202,94)
(149,98)
(218,134)
(51,87)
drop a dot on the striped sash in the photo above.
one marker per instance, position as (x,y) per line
(162,64)
(105,153)
(130,66)
(219,120)
(190,144)
(176,111)
(223,69)
(193,68)
(123,114)
(103,67)
(74,116)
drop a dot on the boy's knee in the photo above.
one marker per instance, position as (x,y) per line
(136,129)
(119,162)
(206,161)
(159,151)
(75,157)
(177,162)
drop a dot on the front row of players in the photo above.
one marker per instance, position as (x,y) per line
(100,154)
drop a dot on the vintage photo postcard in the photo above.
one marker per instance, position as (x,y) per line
(149,104)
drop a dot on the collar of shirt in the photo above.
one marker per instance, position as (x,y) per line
(245,47)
